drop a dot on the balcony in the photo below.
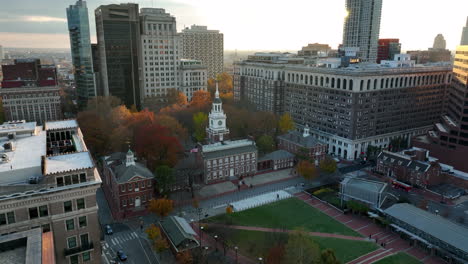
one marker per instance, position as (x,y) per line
(75,250)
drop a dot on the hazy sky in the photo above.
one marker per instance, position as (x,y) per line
(248,24)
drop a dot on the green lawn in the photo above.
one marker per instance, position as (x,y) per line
(256,244)
(287,214)
(399,258)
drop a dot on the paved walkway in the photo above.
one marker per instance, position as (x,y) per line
(206,239)
(393,242)
(276,230)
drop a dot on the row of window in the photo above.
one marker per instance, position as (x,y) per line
(70,179)
(137,185)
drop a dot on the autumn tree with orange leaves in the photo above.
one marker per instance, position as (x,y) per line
(307,170)
(184,257)
(162,206)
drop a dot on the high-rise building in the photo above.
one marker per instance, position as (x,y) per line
(30,92)
(388,48)
(315,49)
(362,27)
(48,181)
(439,42)
(348,108)
(80,44)
(448,141)
(2,54)
(160,48)
(118,39)
(205,45)
(464,38)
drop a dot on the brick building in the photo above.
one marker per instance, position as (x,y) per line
(304,143)
(49,181)
(128,185)
(276,160)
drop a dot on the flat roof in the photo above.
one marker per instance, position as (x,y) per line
(25,159)
(365,184)
(227,145)
(434,225)
(62,124)
(22,247)
(17,127)
(68,162)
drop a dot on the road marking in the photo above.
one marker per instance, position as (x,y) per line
(134,235)
(114,241)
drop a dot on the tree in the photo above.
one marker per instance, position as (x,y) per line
(200,120)
(275,255)
(176,97)
(307,170)
(301,249)
(157,145)
(328,257)
(229,209)
(161,245)
(328,165)
(200,99)
(162,207)
(225,84)
(174,126)
(153,232)
(184,257)
(165,178)
(286,123)
(265,144)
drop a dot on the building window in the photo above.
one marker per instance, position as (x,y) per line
(80,203)
(7,218)
(143,184)
(43,211)
(59,181)
(67,180)
(82,221)
(71,242)
(67,206)
(45,228)
(86,256)
(84,239)
(124,202)
(74,259)
(75,179)
(33,213)
(83,177)
(130,187)
(70,224)
(149,183)
(122,188)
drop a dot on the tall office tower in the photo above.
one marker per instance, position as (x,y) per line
(448,141)
(48,182)
(362,27)
(439,42)
(2,54)
(160,47)
(205,45)
(464,38)
(387,49)
(80,44)
(118,37)
(96,67)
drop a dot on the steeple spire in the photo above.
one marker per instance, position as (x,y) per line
(217,91)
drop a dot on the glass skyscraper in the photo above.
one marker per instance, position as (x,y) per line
(80,44)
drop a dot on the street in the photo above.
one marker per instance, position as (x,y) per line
(132,242)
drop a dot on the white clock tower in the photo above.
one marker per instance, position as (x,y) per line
(217,129)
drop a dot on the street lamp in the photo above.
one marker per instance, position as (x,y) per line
(236,248)
(201,234)
(216,242)
(260,259)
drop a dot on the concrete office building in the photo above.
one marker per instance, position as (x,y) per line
(160,47)
(353,107)
(118,40)
(439,42)
(362,27)
(193,77)
(204,45)
(49,181)
(2,54)
(80,44)
(464,38)
(30,92)
(448,140)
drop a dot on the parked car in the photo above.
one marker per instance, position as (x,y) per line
(108,230)
(121,255)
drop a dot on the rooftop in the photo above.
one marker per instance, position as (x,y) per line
(227,145)
(298,138)
(364,184)
(434,225)
(62,124)
(68,162)
(180,234)
(276,155)
(26,247)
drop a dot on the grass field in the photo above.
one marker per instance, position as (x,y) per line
(256,244)
(287,214)
(399,258)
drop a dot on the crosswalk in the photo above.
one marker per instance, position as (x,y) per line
(119,239)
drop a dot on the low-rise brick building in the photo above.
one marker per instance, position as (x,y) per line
(304,144)
(128,185)
(276,160)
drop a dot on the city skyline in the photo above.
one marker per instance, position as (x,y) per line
(47,27)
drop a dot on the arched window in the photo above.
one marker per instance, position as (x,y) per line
(333,83)
(321,81)
(338,83)
(375,84)
(344,83)
(361,86)
(351,83)
(327,81)
(386,82)
(316,80)
(368,84)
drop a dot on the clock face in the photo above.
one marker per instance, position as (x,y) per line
(220,122)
